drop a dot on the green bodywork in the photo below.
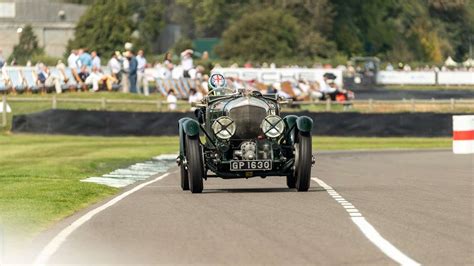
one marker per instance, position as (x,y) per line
(187,127)
(304,124)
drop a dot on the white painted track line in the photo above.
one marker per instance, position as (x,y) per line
(56,242)
(367,229)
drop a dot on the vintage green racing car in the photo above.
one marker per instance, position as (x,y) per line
(243,136)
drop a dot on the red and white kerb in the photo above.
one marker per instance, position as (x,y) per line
(463,134)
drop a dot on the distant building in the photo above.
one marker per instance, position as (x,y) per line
(53,23)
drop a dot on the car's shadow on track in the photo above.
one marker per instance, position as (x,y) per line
(259,190)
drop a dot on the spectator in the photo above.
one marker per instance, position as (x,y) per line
(83,75)
(187,62)
(168,65)
(72,60)
(48,80)
(171,100)
(389,67)
(205,56)
(125,70)
(60,65)
(141,77)
(85,58)
(194,96)
(96,62)
(115,66)
(73,63)
(329,89)
(2,60)
(133,69)
(97,78)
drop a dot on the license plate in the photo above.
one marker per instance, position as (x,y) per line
(251,165)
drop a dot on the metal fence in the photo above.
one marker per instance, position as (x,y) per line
(161,105)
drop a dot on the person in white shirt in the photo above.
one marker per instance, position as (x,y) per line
(94,78)
(115,66)
(47,79)
(187,62)
(72,60)
(125,72)
(74,64)
(95,60)
(141,77)
(194,96)
(171,100)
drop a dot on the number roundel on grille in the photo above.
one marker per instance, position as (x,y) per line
(217,81)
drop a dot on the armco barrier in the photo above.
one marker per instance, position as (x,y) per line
(103,123)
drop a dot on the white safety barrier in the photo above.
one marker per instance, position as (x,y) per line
(463,134)
(456,78)
(272,75)
(407,77)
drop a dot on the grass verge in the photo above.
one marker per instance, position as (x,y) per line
(39,174)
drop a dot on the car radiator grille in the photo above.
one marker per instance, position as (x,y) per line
(247,120)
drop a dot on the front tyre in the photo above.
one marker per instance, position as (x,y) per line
(195,164)
(303,162)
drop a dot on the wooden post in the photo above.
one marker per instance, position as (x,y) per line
(452,104)
(103,103)
(328,105)
(413,107)
(371,102)
(54,102)
(4,111)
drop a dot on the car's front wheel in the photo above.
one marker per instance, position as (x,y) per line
(195,164)
(303,161)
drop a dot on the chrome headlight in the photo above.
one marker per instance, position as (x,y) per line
(224,127)
(273,126)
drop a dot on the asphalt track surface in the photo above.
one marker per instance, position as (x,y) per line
(420,202)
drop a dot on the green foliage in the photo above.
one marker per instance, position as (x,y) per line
(105,27)
(45,59)
(108,24)
(181,45)
(395,30)
(27,48)
(263,34)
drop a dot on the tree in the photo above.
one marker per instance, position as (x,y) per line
(105,27)
(212,17)
(108,24)
(27,48)
(261,35)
